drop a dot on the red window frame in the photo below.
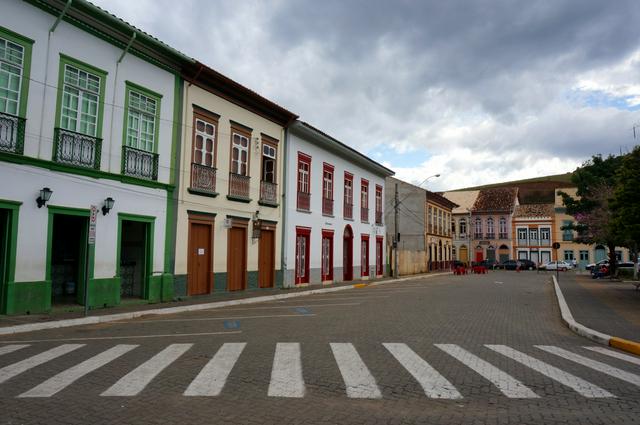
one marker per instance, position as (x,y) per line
(364,200)
(348,206)
(378,204)
(327,274)
(303,232)
(301,183)
(364,255)
(328,188)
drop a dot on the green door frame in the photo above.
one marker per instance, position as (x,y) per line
(150,221)
(8,264)
(77,212)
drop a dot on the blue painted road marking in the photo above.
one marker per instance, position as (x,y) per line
(231,324)
(303,310)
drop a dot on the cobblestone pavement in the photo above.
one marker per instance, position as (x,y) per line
(608,306)
(486,349)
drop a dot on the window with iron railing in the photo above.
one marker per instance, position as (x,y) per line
(12,129)
(303,200)
(348,196)
(239,186)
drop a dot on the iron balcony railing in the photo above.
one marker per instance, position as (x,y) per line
(77,149)
(203,178)
(348,210)
(477,236)
(378,217)
(503,236)
(268,192)
(490,236)
(139,163)
(239,185)
(304,201)
(12,133)
(364,214)
(327,206)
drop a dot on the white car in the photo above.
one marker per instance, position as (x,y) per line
(558,265)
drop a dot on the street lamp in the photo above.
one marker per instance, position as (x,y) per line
(425,180)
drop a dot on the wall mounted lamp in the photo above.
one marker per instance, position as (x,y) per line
(45,195)
(108,204)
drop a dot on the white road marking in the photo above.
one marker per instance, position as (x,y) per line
(581,386)
(10,371)
(98,338)
(357,378)
(135,381)
(11,348)
(199,319)
(434,384)
(286,375)
(282,306)
(593,364)
(498,282)
(616,354)
(339,298)
(211,379)
(509,386)
(60,381)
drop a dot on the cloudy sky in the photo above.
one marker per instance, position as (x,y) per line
(478,91)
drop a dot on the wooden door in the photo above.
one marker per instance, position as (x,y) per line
(266,259)
(347,256)
(302,256)
(379,257)
(327,256)
(237,259)
(200,259)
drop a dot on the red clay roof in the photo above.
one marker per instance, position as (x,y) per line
(499,199)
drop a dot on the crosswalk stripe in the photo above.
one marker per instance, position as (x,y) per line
(11,348)
(581,386)
(357,378)
(136,380)
(617,355)
(286,375)
(65,378)
(433,384)
(10,371)
(507,384)
(213,376)
(593,364)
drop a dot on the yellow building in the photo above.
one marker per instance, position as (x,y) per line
(230,189)
(438,235)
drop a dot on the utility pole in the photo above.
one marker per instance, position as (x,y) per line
(396,234)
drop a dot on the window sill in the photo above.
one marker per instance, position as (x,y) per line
(239,199)
(348,218)
(202,192)
(268,204)
(303,211)
(328,215)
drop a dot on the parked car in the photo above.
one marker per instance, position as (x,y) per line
(599,263)
(456,264)
(489,264)
(509,264)
(557,265)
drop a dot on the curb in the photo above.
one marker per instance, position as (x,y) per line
(30,327)
(599,337)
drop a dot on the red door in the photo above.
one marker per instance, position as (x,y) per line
(479,255)
(303,236)
(347,254)
(379,256)
(327,255)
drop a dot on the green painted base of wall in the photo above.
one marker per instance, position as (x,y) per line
(28,297)
(167,287)
(219,282)
(104,292)
(279,279)
(154,294)
(252,280)
(180,285)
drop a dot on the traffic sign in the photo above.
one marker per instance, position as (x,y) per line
(556,245)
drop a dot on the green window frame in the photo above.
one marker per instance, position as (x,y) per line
(567,234)
(141,125)
(15,71)
(81,94)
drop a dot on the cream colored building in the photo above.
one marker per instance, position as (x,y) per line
(230,190)
(461,222)
(583,254)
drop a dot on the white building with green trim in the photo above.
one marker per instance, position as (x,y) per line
(90,111)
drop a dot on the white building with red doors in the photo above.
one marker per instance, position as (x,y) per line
(334,216)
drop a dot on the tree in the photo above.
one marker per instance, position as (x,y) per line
(596,182)
(625,204)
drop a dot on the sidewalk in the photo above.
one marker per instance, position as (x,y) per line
(138,308)
(610,307)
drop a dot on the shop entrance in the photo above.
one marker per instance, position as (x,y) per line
(68,251)
(6,253)
(135,259)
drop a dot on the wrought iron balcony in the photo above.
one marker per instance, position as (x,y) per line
(304,201)
(503,236)
(348,210)
(139,163)
(490,236)
(203,178)
(364,214)
(379,217)
(269,193)
(239,186)
(12,133)
(77,149)
(327,206)
(477,236)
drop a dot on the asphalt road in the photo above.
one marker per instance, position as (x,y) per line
(456,349)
